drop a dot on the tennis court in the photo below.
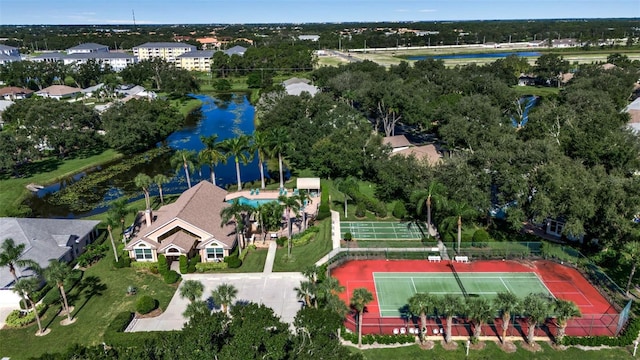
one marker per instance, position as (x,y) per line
(382,230)
(394,289)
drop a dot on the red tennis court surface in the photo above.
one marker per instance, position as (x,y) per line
(599,316)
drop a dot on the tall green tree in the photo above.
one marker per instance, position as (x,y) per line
(160,180)
(346,186)
(537,308)
(212,154)
(308,292)
(144,181)
(421,304)
(507,303)
(191,290)
(292,204)
(10,256)
(184,160)
(57,272)
(238,147)
(111,222)
(280,145)
(631,254)
(224,295)
(119,209)
(239,213)
(359,300)
(479,312)
(261,145)
(564,310)
(434,192)
(448,306)
(26,288)
(457,211)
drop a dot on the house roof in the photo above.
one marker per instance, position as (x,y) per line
(299,88)
(158,45)
(236,50)
(308,183)
(91,89)
(608,66)
(635,105)
(5,57)
(59,90)
(197,54)
(4,104)
(50,55)
(7,48)
(100,55)
(181,240)
(634,116)
(13,90)
(87,46)
(44,239)
(396,141)
(295,80)
(199,206)
(424,153)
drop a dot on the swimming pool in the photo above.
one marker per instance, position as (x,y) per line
(252,202)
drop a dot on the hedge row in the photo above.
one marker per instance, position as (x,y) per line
(192,263)
(18,318)
(145,265)
(626,338)
(324,210)
(115,335)
(184,264)
(305,237)
(171,277)
(208,266)
(371,204)
(371,339)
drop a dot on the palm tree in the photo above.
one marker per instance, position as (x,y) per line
(212,154)
(459,211)
(346,186)
(359,300)
(303,198)
(160,180)
(183,160)
(26,287)
(196,310)
(479,311)
(307,291)
(10,254)
(238,147)
(420,304)
(329,288)
(224,295)
(564,311)
(536,308)
(311,273)
(110,223)
(631,254)
(420,197)
(144,181)
(118,209)
(191,289)
(291,203)
(57,272)
(448,306)
(279,144)
(238,212)
(507,303)
(261,145)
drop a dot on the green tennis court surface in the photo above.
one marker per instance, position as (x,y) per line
(381,230)
(394,289)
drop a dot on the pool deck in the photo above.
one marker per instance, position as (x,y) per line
(311,209)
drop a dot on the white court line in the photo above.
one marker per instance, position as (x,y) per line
(545,286)
(414,285)
(505,285)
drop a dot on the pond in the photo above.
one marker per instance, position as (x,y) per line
(476,56)
(224,117)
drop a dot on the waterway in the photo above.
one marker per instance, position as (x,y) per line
(225,117)
(499,55)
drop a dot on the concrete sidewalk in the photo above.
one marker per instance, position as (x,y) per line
(271,256)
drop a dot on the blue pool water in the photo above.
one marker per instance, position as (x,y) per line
(255,203)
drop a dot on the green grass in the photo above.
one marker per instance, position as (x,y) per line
(493,352)
(45,172)
(305,255)
(93,312)
(542,91)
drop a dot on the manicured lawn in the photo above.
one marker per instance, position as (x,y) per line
(94,310)
(491,351)
(46,172)
(305,255)
(543,91)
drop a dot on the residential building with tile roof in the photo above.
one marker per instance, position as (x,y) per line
(87,48)
(15,93)
(167,51)
(199,60)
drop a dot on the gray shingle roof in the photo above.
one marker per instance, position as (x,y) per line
(87,46)
(100,55)
(44,239)
(7,48)
(197,54)
(159,45)
(237,50)
(52,55)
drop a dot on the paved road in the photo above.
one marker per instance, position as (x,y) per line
(275,290)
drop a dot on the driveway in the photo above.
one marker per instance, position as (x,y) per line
(275,290)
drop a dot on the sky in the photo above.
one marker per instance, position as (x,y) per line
(81,12)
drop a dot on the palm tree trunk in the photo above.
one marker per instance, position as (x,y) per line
(186,173)
(213,174)
(477,330)
(64,301)
(113,243)
(633,271)
(161,196)
(12,270)
(423,325)
(238,174)
(262,185)
(562,326)
(289,231)
(281,175)
(33,306)
(531,333)
(360,328)
(345,206)
(447,338)
(505,325)
(459,232)
(428,216)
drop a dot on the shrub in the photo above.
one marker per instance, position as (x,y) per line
(628,335)
(324,211)
(123,261)
(480,236)
(348,236)
(184,264)
(163,266)
(281,241)
(120,322)
(380,209)
(380,339)
(18,318)
(399,211)
(171,277)
(233,261)
(209,266)
(192,263)
(244,253)
(361,209)
(152,267)
(92,253)
(145,304)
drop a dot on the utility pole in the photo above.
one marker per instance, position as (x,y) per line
(134,17)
